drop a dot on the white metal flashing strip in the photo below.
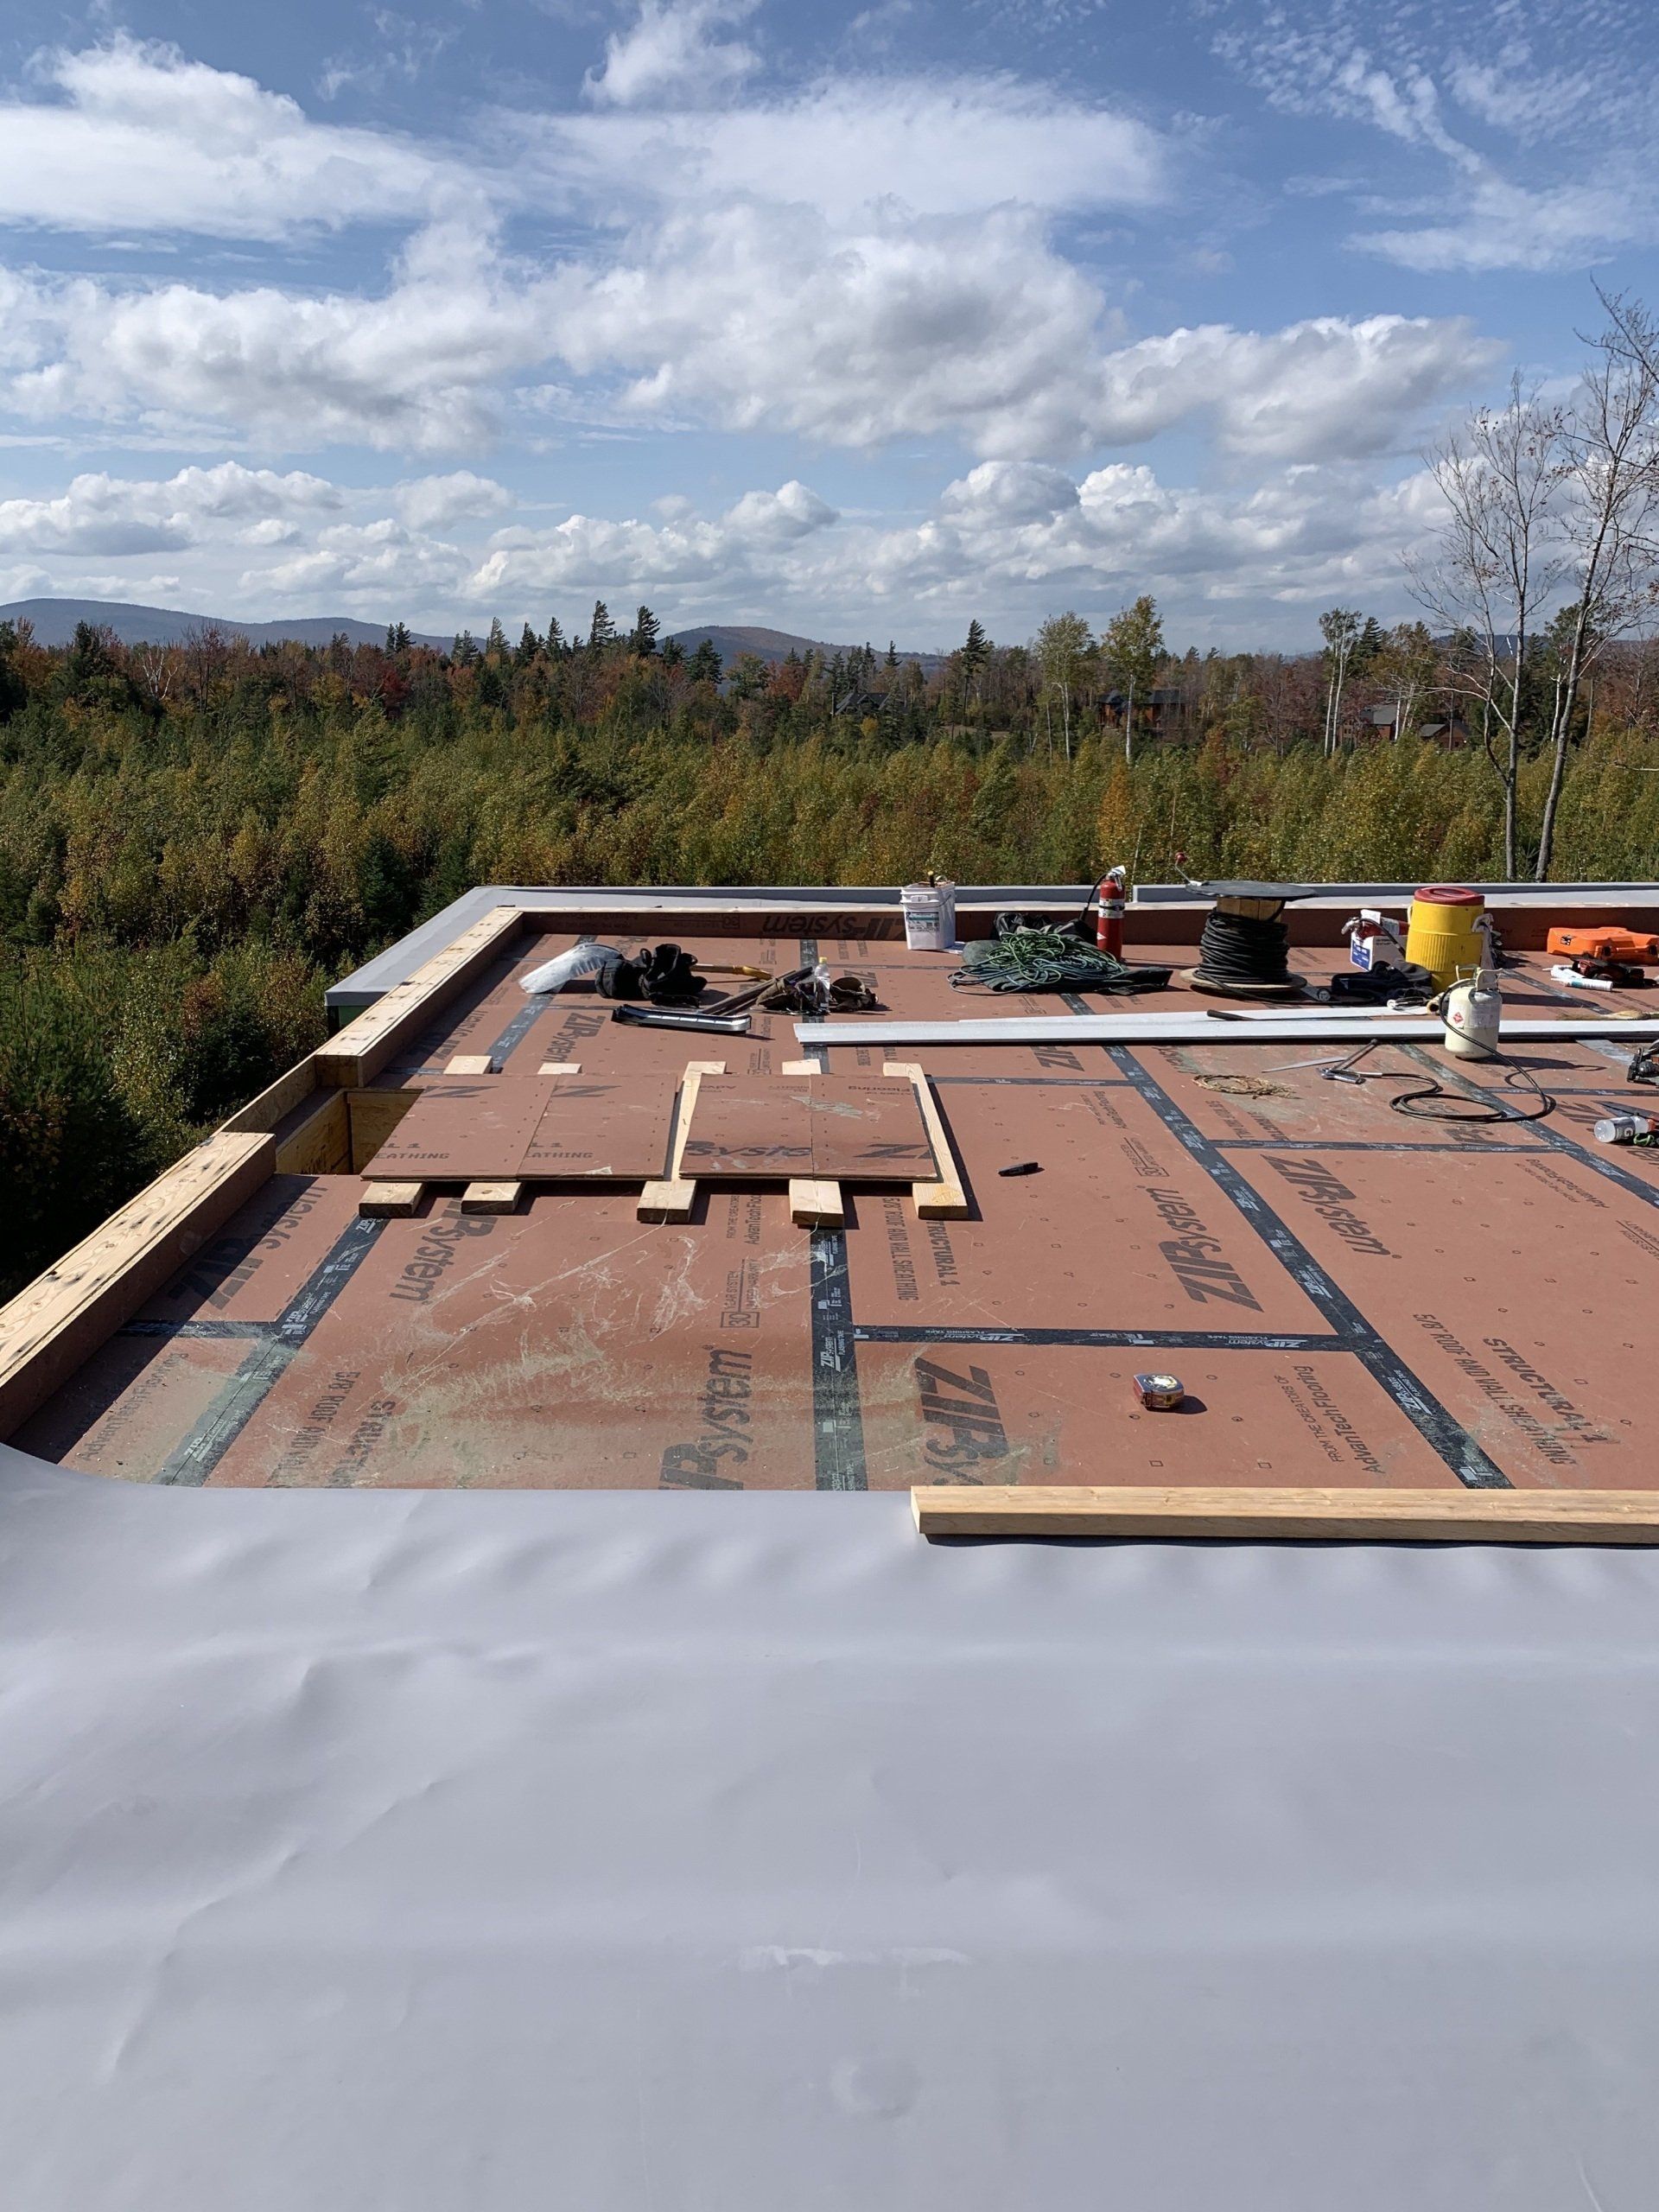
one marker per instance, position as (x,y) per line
(1209,1029)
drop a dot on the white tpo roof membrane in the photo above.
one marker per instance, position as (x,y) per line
(455,1852)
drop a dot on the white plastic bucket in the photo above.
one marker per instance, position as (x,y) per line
(923,909)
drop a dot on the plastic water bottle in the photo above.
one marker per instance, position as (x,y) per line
(1627,1128)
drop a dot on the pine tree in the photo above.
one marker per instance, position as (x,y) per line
(603,632)
(643,640)
(13,692)
(556,647)
(1369,643)
(496,643)
(704,665)
(528,645)
(749,678)
(70,1145)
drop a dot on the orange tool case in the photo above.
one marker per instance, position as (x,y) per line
(1604,945)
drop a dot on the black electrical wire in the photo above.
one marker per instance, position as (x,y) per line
(1433,1102)
(1081,918)
(1418,1105)
(1243,950)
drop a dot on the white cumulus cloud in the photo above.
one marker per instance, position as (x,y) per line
(138,138)
(950,146)
(110,515)
(437,502)
(673,54)
(418,369)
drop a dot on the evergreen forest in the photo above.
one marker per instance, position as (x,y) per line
(195,839)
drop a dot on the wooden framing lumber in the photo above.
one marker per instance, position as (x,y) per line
(322,1144)
(801,1067)
(672,1199)
(277,1101)
(470,1063)
(391,1201)
(373,1115)
(945,1200)
(1256,1515)
(63,1316)
(560,1067)
(816,1204)
(365,1046)
(492,1197)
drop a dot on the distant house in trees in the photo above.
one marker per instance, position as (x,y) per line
(1152,709)
(1443,728)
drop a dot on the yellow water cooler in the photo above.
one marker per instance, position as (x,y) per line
(1443,932)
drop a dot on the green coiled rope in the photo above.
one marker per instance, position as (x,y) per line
(1048,960)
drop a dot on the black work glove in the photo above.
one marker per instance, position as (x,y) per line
(618,977)
(669,976)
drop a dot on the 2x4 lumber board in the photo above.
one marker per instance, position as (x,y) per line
(666,1200)
(322,1145)
(560,1067)
(277,1101)
(470,1063)
(492,1197)
(1195,1029)
(816,1205)
(391,1201)
(373,1115)
(356,1055)
(673,1198)
(801,1067)
(64,1315)
(1269,1515)
(945,1200)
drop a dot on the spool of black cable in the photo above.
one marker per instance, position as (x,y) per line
(1243,947)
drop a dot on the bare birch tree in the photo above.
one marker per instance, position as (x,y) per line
(1500,559)
(1063,645)
(1610,507)
(1132,648)
(1340,630)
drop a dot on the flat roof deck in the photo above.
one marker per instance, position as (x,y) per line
(1351,1298)
(573,1844)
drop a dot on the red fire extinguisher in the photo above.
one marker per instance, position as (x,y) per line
(1108,919)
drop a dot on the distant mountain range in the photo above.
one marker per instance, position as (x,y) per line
(730,641)
(53,622)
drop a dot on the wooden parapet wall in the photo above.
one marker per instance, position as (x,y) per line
(59,1319)
(64,1315)
(371,1115)
(1264,1515)
(274,1104)
(320,1144)
(358,1054)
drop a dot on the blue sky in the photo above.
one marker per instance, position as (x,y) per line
(856,320)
